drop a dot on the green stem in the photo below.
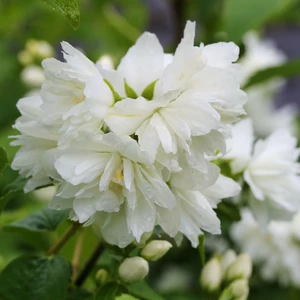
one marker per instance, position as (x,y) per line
(89,265)
(66,236)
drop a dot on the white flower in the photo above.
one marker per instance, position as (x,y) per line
(197,93)
(262,54)
(105,172)
(266,117)
(270,168)
(240,145)
(273,172)
(36,139)
(274,249)
(132,148)
(259,54)
(195,207)
(74,94)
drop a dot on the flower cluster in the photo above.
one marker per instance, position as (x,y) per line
(132,148)
(270,168)
(275,249)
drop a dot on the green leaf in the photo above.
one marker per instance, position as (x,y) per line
(129,91)
(286,70)
(44,220)
(143,290)
(201,248)
(110,291)
(239,16)
(69,8)
(11,190)
(228,210)
(35,278)
(3,160)
(126,297)
(148,92)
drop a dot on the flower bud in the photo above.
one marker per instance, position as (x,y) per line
(227,259)
(102,276)
(25,58)
(106,62)
(237,290)
(240,268)
(211,275)
(33,76)
(133,269)
(144,238)
(41,49)
(155,250)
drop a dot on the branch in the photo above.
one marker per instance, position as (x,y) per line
(67,235)
(89,265)
(77,254)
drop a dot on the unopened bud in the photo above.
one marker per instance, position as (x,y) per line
(25,58)
(102,276)
(155,250)
(106,62)
(211,275)
(240,268)
(33,76)
(44,49)
(40,49)
(237,290)
(227,259)
(133,269)
(144,238)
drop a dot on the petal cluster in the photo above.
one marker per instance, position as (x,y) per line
(274,249)
(133,148)
(270,168)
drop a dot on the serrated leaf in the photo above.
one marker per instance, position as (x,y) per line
(110,291)
(35,278)
(69,8)
(44,220)
(143,290)
(3,160)
(129,91)
(239,16)
(11,190)
(286,70)
(149,91)
(201,248)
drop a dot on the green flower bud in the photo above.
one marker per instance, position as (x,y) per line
(133,269)
(25,58)
(240,268)
(144,238)
(102,276)
(211,275)
(155,250)
(237,290)
(227,259)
